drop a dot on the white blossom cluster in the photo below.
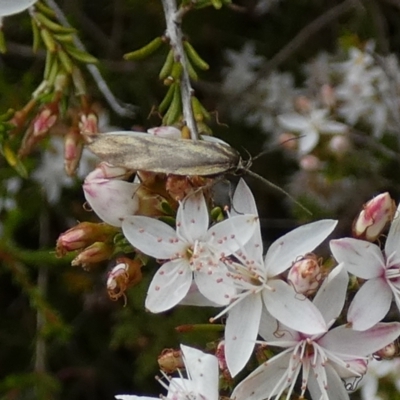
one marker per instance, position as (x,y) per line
(283,295)
(355,88)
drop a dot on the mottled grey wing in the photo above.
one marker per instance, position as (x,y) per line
(162,155)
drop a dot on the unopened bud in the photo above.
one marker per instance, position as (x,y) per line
(288,141)
(111,199)
(83,235)
(88,124)
(125,274)
(45,120)
(373,218)
(339,145)
(170,360)
(223,366)
(305,275)
(73,147)
(328,95)
(302,104)
(93,254)
(310,163)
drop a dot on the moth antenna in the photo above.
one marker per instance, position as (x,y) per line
(263,153)
(279,189)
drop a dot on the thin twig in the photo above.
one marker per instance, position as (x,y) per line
(122,109)
(302,37)
(174,34)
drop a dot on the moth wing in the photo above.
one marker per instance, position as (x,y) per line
(140,151)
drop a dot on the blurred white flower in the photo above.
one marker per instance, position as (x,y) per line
(50,173)
(310,126)
(241,73)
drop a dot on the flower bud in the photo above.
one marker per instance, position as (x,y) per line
(83,235)
(95,253)
(45,120)
(288,141)
(373,218)
(88,124)
(339,145)
(328,95)
(111,199)
(305,274)
(73,147)
(310,163)
(125,274)
(170,360)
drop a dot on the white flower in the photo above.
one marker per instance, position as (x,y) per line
(10,7)
(259,287)
(324,359)
(387,370)
(380,270)
(194,252)
(310,127)
(202,381)
(241,73)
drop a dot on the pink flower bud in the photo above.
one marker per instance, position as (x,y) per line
(288,141)
(88,124)
(83,235)
(166,131)
(95,253)
(45,120)
(310,163)
(111,199)
(328,95)
(373,218)
(73,147)
(339,145)
(305,274)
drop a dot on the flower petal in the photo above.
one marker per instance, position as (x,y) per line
(202,369)
(393,238)
(294,311)
(361,258)
(241,332)
(214,284)
(111,200)
(370,304)
(294,122)
(344,340)
(192,218)
(284,251)
(266,381)
(243,203)
(334,390)
(169,286)
(332,294)
(152,237)
(231,234)
(10,7)
(308,140)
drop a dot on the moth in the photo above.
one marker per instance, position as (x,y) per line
(145,152)
(141,151)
